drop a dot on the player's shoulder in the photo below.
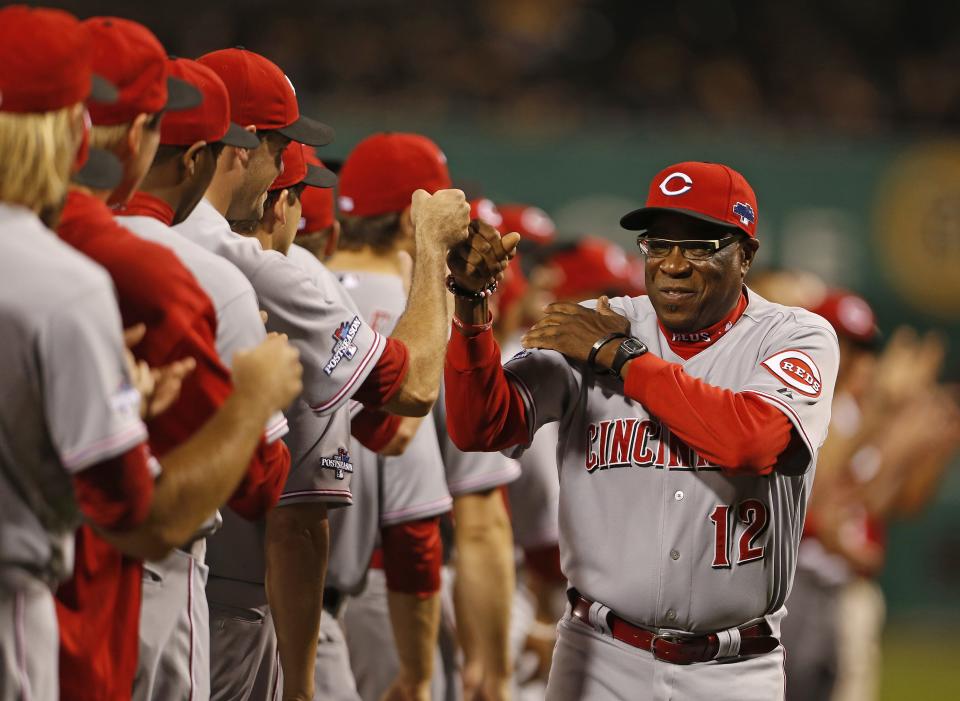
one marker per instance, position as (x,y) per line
(785,319)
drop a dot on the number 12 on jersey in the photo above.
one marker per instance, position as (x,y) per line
(753,514)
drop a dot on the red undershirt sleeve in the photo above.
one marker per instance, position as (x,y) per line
(413,556)
(484,409)
(387,376)
(374,428)
(116,494)
(737,431)
(263,482)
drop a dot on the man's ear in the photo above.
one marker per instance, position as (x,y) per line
(406,224)
(333,239)
(188,162)
(748,252)
(243,155)
(280,207)
(135,134)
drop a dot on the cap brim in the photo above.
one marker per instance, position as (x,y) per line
(102,90)
(240,137)
(181,95)
(638,219)
(102,171)
(308,131)
(320,177)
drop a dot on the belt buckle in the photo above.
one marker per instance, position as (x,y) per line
(667,638)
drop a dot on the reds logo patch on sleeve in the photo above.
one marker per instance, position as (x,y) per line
(796,370)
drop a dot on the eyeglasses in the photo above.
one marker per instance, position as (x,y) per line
(691,250)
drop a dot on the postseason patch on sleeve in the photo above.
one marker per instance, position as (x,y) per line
(796,370)
(343,346)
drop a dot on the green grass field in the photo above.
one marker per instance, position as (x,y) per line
(920,666)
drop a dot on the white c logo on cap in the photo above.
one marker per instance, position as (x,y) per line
(687,180)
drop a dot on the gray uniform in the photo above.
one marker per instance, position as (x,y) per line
(337,351)
(174,656)
(655,532)
(409,487)
(68,404)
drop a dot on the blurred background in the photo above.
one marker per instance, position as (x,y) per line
(844,115)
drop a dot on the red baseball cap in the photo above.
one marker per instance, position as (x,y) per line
(316,210)
(532,223)
(132,58)
(592,266)
(210,120)
(262,95)
(384,170)
(710,192)
(297,170)
(850,315)
(486,211)
(46,61)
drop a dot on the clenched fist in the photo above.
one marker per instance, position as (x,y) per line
(269,373)
(483,257)
(440,219)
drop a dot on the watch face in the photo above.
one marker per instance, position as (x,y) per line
(632,345)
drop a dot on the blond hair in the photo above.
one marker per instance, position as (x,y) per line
(37,153)
(110,138)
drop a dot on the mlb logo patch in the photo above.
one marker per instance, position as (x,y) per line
(745,213)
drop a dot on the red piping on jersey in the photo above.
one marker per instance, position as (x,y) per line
(687,345)
(143,204)
(738,431)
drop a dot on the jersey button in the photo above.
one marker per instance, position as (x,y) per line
(671,615)
(678,495)
(674,554)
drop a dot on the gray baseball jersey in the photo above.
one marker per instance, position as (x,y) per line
(468,473)
(649,527)
(68,401)
(337,350)
(68,404)
(413,485)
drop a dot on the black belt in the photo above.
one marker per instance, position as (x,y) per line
(755,639)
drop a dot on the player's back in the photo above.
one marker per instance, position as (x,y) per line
(45,287)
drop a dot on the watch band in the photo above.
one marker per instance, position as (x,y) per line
(601,342)
(627,351)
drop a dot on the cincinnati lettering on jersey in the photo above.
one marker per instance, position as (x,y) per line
(344,347)
(633,442)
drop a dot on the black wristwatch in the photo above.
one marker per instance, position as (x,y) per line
(629,349)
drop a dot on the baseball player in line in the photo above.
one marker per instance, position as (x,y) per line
(174,656)
(61,307)
(690,422)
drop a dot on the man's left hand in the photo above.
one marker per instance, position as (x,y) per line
(572,329)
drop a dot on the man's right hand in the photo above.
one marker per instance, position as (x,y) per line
(483,257)
(269,373)
(442,217)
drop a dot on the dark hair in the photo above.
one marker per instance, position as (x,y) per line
(293,194)
(167,152)
(315,241)
(379,232)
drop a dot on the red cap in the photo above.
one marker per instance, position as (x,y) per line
(46,60)
(708,191)
(513,287)
(593,266)
(317,214)
(128,55)
(486,211)
(262,95)
(210,121)
(532,223)
(850,316)
(384,170)
(297,170)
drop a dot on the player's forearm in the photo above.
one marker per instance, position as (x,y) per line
(483,592)
(484,409)
(734,430)
(198,477)
(423,330)
(296,549)
(415,621)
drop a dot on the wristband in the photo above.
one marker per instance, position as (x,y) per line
(600,344)
(472,329)
(463,292)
